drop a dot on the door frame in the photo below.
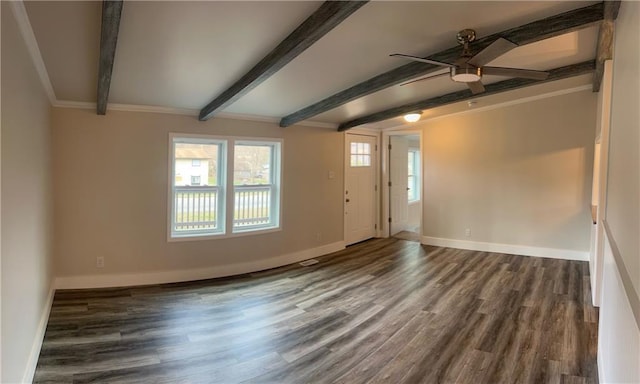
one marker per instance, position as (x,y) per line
(386,193)
(596,256)
(376,163)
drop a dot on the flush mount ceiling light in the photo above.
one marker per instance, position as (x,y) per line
(412,117)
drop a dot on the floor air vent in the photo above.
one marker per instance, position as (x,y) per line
(309,262)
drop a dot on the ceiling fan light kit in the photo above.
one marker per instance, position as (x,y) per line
(466,74)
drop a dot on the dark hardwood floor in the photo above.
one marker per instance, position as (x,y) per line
(383,311)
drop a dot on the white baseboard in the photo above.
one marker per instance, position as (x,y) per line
(524,250)
(600,375)
(30,369)
(160,277)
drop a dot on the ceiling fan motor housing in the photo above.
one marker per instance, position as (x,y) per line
(466,36)
(466,74)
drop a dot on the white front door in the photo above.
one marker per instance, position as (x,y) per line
(360,193)
(399,176)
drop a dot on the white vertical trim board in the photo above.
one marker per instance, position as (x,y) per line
(523,250)
(22,19)
(161,277)
(618,331)
(30,369)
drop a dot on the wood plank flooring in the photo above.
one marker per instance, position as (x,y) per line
(383,311)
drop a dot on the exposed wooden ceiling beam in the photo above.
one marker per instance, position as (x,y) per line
(604,50)
(323,20)
(111,12)
(490,89)
(538,30)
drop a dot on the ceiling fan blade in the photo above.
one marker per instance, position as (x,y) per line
(421,59)
(476,87)
(494,50)
(425,78)
(515,72)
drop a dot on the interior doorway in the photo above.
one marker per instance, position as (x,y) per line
(405,182)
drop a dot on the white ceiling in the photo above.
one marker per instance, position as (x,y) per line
(183,54)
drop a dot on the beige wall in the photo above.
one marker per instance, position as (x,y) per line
(517,175)
(111,193)
(619,326)
(623,186)
(26,203)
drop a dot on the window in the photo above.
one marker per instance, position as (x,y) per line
(255,185)
(238,176)
(360,154)
(196,209)
(414,174)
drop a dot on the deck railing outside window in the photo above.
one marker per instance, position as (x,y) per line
(252,205)
(196,207)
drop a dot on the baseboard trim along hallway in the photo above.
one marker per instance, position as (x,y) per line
(522,250)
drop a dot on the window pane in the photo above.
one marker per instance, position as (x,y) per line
(196,196)
(413,174)
(252,206)
(411,191)
(256,199)
(252,164)
(360,155)
(411,163)
(188,155)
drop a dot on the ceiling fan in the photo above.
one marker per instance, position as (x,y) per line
(469,68)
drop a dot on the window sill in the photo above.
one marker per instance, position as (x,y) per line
(256,232)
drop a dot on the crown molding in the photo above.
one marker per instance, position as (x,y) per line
(182,111)
(22,19)
(26,30)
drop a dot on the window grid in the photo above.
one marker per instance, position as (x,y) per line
(360,154)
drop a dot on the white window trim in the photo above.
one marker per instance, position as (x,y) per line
(276,198)
(222,189)
(227,205)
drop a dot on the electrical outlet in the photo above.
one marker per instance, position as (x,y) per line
(467,232)
(319,236)
(100,262)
